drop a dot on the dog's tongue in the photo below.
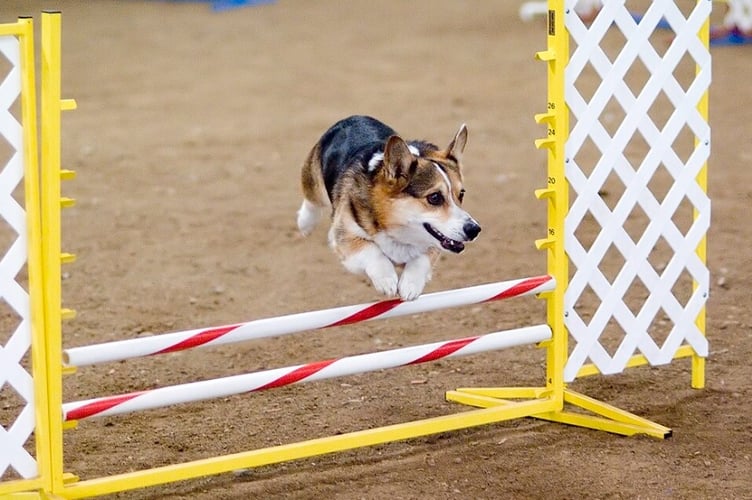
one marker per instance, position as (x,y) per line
(446,243)
(452,245)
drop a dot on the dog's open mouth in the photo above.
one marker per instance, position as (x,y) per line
(446,243)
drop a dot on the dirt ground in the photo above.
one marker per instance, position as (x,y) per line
(190,130)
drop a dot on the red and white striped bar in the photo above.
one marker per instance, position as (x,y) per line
(293,323)
(269,379)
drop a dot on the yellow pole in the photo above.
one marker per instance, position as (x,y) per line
(34,253)
(51,107)
(556,192)
(698,362)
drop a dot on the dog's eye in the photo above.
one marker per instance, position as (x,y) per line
(435,199)
(461,196)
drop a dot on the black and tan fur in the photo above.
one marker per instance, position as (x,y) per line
(395,204)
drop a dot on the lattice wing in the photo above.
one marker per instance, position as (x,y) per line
(16,385)
(602,165)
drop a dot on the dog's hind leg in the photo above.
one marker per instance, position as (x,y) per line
(315,198)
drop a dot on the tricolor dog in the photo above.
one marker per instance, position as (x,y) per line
(395,204)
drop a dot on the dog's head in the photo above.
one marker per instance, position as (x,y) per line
(418,195)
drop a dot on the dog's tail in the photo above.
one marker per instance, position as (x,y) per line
(315,198)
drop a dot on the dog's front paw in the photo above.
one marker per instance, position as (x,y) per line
(410,289)
(386,284)
(414,277)
(383,276)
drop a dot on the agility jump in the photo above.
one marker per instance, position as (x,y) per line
(282,325)
(42,468)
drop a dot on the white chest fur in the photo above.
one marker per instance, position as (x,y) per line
(397,251)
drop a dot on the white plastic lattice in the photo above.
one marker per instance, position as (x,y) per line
(16,385)
(614,187)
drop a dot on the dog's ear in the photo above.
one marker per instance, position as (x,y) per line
(457,146)
(399,163)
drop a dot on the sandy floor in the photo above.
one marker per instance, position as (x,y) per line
(190,130)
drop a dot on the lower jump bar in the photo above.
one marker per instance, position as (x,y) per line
(268,379)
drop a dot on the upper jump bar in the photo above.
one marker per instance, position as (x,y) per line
(312,320)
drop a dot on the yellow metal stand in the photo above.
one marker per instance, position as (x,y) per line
(603,417)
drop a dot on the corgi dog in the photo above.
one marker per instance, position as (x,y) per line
(395,205)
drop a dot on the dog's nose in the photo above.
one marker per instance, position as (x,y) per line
(471,229)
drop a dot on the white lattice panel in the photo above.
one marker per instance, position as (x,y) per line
(16,385)
(636,146)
